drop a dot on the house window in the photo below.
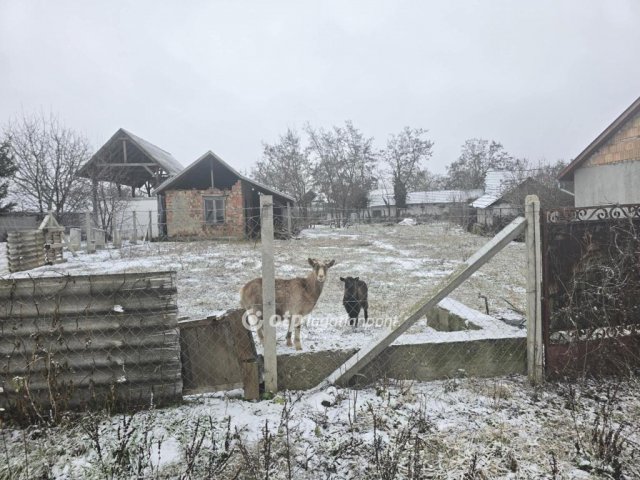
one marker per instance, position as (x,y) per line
(213,210)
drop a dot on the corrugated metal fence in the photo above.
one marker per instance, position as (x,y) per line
(91,340)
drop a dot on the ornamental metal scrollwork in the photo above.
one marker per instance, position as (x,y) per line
(585,214)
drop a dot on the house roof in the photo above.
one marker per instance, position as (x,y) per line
(442,196)
(567,172)
(496,182)
(381,198)
(108,163)
(191,177)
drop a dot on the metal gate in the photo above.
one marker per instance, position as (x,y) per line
(591,290)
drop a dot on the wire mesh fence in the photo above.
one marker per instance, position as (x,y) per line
(101,341)
(478,330)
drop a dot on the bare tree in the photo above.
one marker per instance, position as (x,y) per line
(8,169)
(344,163)
(539,178)
(405,155)
(48,156)
(428,181)
(476,158)
(112,202)
(286,167)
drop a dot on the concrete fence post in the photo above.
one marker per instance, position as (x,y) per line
(535,348)
(116,238)
(150,225)
(134,236)
(268,294)
(91,246)
(75,239)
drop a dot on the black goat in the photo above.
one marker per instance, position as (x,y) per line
(355,298)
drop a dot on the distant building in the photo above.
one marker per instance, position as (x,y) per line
(439,202)
(608,170)
(382,203)
(210,199)
(496,208)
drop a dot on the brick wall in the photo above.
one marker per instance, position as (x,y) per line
(185,213)
(622,147)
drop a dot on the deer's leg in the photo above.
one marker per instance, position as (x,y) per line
(261,335)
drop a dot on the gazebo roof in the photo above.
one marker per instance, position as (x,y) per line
(130,160)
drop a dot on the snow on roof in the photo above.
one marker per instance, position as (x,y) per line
(442,196)
(381,198)
(162,157)
(485,201)
(496,182)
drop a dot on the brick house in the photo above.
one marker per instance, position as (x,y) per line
(608,170)
(210,199)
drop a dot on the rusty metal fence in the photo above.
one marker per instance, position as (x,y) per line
(591,290)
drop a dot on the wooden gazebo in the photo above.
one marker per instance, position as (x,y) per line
(127,159)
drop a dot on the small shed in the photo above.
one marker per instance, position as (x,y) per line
(495,210)
(608,170)
(210,199)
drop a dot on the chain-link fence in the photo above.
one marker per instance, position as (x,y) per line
(479,329)
(101,341)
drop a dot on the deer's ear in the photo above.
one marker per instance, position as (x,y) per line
(312,262)
(331,263)
(341,279)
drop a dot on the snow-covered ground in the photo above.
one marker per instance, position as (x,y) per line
(460,428)
(399,263)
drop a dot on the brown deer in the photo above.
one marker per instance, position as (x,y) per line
(295,297)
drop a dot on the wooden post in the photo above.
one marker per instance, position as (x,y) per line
(91,247)
(134,237)
(366,354)
(150,225)
(535,366)
(268,294)
(289,229)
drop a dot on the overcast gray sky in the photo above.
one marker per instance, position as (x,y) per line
(542,77)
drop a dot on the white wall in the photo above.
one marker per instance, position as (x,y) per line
(142,206)
(607,184)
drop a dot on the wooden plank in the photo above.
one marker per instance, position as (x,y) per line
(268,295)
(127,165)
(21,234)
(351,367)
(26,254)
(208,355)
(245,351)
